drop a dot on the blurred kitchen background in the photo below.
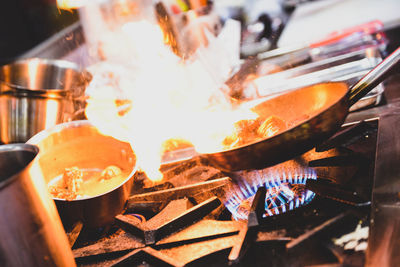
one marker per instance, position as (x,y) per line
(297,43)
(26,23)
(266,24)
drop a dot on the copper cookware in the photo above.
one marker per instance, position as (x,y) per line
(80,144)
(316,112)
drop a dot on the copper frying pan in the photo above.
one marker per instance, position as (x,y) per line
(315,113)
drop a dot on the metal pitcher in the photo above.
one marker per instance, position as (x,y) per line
(31,232)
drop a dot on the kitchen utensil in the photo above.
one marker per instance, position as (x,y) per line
(30,228)
(80,144)
(36,94)
(348,68)
(334,44)
(314,112)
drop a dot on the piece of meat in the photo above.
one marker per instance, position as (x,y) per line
(245,132)
(270,127)
(174,144)
(246,129)
(59,192)
(110,172)
(230,141)
(72,179)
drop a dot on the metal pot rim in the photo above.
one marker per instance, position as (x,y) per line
(75,124)
(14,148)
(17,90)
(57,128)
(23,90)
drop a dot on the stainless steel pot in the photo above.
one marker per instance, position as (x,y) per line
(31,233)
(80,144)
(36,94)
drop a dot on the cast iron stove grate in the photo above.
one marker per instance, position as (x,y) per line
(194,228)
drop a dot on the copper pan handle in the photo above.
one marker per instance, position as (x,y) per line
(374,77)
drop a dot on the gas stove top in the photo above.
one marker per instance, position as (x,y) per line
(337,205)
(292,214)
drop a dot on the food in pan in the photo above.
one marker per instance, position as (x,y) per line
(109,173)
(76,183)
(248,131)
(270,127)
(174,144)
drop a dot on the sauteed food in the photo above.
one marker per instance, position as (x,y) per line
(247,131)
(324,107)
(77,183)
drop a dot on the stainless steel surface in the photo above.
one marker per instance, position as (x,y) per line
(392,102)
(372,38)
(62,45)
(80,144)
(36,94)
(330,47)
(384,234)
(371,54)
(374,77)
(348,68)
(30,228)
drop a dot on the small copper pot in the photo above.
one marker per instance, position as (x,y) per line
(80,144)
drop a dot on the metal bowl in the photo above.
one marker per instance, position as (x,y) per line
(80,144)
(36,94)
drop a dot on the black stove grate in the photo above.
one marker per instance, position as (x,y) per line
(188,225)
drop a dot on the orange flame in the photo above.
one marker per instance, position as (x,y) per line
(149,95)
(70,4)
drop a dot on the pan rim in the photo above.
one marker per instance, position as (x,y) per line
(274,137)
(75,124)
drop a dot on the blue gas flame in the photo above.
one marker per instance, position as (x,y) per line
(285,191)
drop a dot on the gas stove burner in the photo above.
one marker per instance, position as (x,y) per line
(285,191)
